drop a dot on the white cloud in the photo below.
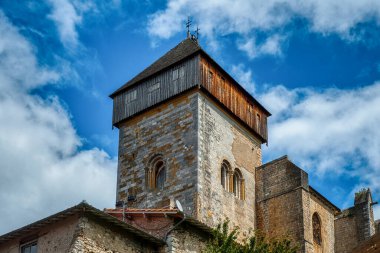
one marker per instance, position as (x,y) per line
(331,132)
(271,46)
(43,168)
(243,77)
(245,18)
(66,19)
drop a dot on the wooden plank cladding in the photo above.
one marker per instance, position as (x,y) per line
(224,89)
(184,67)
(155,89)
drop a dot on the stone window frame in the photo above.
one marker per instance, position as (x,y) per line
(225,171)
(238,184)
(155,173)
(232,180)
(29,246)
(317,228)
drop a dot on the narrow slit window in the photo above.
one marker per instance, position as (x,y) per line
(317,236)
(224,175)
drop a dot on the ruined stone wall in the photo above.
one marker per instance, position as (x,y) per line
(281,187)
(170,130)
(221,138)
(365,222)
(326,216)
(355,224)
(92,237)
(186,239)
(346,237)
(55,238)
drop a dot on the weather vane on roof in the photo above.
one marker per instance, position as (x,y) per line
(197,33)
(188,24)
(194,36)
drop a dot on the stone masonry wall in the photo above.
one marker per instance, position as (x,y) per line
(221,138)
(280,187)
(170,130)
(365,222)
(355,224)
(186,240)
(55,238)
(326,216)
(91,237)
(346,237)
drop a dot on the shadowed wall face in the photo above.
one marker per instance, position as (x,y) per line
(167,132)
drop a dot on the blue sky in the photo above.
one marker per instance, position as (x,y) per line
(314,64)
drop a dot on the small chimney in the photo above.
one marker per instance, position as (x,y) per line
(172,203)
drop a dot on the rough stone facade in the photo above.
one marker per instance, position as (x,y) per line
(326,215)
(73,231)
(345,233)
(194,136)
(279,187)
(286,204)
(56,238)
(93,237)
(171,131)
(355,224)
(186,240)
(221,138)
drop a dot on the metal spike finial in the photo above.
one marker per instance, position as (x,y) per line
(197,33)
(188,24)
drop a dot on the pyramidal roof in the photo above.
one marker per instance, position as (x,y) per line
(183,50)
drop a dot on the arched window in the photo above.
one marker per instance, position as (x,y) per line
(156,173)
(224,177)
(317,236)
(238,184)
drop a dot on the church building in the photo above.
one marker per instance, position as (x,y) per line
(189,158)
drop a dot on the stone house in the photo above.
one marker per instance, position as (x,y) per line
(189,132)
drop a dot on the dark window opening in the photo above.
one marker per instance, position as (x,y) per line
(29,248)
(156,173)
(317,236)
(224,175)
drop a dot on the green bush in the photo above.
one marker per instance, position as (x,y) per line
(223,241)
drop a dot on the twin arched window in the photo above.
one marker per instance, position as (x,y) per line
(317,236)
(156,173)
(232,180)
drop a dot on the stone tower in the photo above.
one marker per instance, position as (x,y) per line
(189,132)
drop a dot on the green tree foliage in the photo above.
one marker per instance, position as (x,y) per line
(224,241)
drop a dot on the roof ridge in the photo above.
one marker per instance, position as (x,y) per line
(182,50)
(84,208)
